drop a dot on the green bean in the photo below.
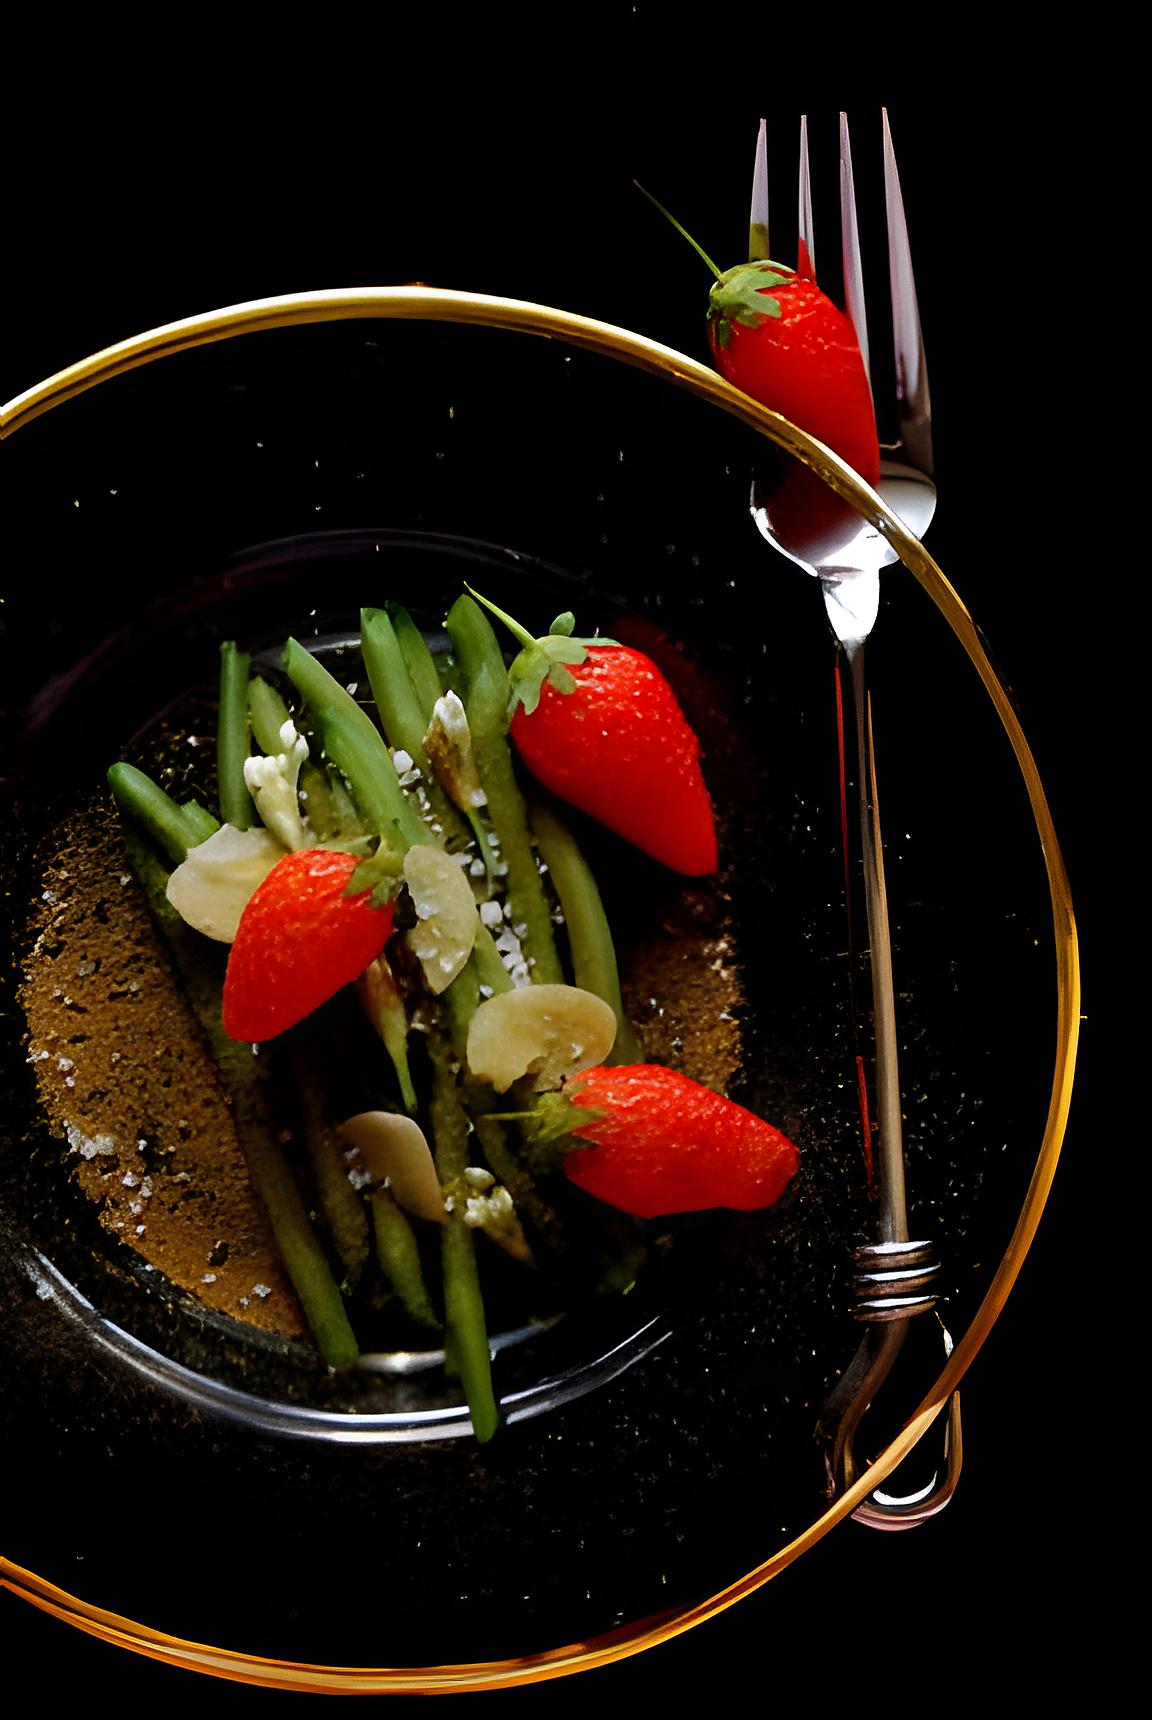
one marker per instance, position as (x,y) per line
(199,822)
(486,703)
(362,758)
(384,1008)
(589,935)
(171,827)
(304,1259)
(339,1202)
(463,998)
(399,1258)
(357,748)
(232,748)
(267,713)
(402,718)
(466,1339)
(490,970)
(417,659)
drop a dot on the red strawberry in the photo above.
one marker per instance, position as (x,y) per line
(666,1144)
(597,723)
(776,336)
(300,939)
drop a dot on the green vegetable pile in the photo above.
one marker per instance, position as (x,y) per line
(303,766)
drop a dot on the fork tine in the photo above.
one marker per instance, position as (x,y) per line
(758,219)
(850,247)
(914,404)
(806,243)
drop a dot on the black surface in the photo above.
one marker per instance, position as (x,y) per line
(116,237)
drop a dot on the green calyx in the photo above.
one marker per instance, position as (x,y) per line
(380,873)
(547,659)
(549,1130)
(739,296)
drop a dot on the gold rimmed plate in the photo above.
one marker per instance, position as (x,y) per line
(271,467)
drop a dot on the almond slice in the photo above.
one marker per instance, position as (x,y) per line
(211,888)
(548,1031)
(445,907)
(394,1150)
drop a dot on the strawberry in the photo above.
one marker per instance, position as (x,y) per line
(777,337)
(598,724)
(301,937)
(662,1143)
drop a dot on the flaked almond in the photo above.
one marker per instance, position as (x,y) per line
(548,1031)
(211,888)
(394,1150)
(445,928)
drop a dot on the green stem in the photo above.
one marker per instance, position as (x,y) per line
(304,1260)
(486,703)
(683,231)
(232,738)
(171,827)
(516,628)
(594,966)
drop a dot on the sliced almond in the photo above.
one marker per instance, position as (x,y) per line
(549,1031)
(445,907)
(212,887)
(394,1150)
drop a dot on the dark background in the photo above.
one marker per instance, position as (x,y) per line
(128,214)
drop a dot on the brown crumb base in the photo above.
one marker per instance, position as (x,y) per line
(129,1087)
(682,989)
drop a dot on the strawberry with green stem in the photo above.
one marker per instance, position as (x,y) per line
(318,920)
(658,1143)
(598,724)
(774,335)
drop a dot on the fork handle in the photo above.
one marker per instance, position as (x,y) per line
(892,1221)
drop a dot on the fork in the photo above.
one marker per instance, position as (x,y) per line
(894,1274)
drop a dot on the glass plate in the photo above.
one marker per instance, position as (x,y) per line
(271,467)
